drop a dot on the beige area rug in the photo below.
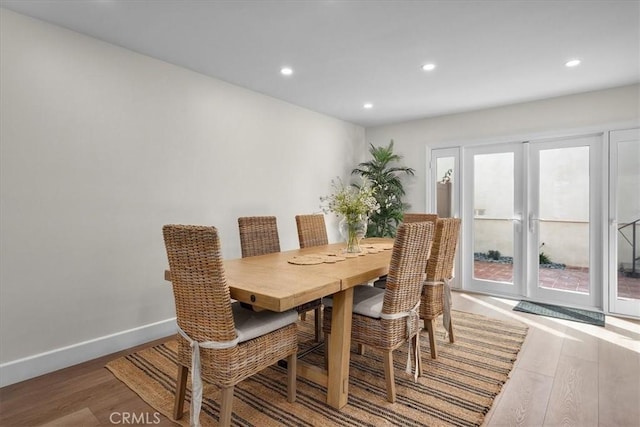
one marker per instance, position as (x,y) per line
(457,389)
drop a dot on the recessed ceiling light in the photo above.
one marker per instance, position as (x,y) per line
(286,71)
(428,67)
(368,106)
(572,63)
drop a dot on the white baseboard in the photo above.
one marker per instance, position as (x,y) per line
(43,363)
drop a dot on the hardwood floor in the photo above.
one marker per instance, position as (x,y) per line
(567,373)
(82,395)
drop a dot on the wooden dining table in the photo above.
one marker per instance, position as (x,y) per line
(272,282)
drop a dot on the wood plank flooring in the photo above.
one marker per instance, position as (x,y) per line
(567,373)
(69,395)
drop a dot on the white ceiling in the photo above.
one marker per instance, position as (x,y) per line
(346,53)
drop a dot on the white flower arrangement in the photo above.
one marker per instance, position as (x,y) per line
(350,201)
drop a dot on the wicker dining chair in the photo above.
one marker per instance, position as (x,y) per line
(420,217)
(436,298)
(312,231)
(232,343)
(386,318)
(409,218)
(259,236)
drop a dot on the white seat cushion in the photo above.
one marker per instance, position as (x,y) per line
(367,301)
(252,324)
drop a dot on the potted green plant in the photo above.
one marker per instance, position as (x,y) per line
(385,176)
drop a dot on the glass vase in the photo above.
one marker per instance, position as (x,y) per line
(353,229)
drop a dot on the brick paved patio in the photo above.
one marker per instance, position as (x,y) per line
(571,278)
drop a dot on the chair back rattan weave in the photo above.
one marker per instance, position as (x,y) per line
(312,230)
(420,217)
(409,218)
(440,266)
(406,268)
(258,235)
(202,298)
(443,251)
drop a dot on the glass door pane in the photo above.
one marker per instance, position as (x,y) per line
(493,235)
(563,237)
(445,185)
(492,217)
(444,193)
(625,231)
(563,204)
(628,219)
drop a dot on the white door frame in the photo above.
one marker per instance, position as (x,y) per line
(516,288)
(533,291)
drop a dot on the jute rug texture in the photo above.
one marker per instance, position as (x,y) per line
(457,389)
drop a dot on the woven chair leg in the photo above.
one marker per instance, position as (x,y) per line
(303,316)
(451,337)
(430,326)
(318,319)
(226,406)
(292,366)
(181,388)
(388,375)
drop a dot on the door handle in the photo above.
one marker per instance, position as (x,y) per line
(532,220)
(517,219)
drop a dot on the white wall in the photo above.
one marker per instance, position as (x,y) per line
(599,110)
(100,147)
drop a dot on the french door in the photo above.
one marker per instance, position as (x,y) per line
(531,220)
(493,194)
(564,242)
(624,222)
